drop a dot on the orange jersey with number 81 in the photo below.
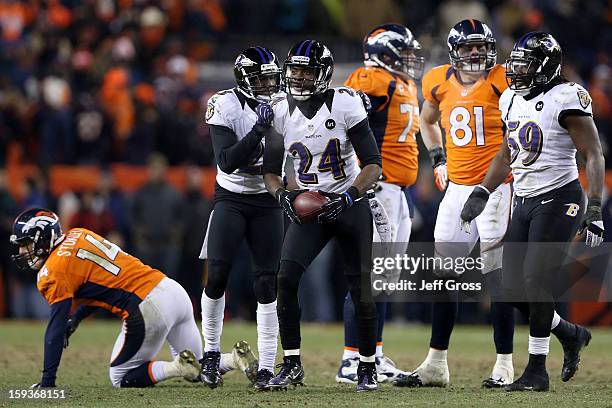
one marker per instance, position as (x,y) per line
(95,272)
(394,121)
(471,120)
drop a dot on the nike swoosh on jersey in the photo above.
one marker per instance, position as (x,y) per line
(547,201)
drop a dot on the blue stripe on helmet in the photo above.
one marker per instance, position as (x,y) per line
(521,43)
(297,52)
(309,47)
(270,55)
(261,54)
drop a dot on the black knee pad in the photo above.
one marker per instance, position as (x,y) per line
(218,275)
(289,276)
(264,286)
(137,377)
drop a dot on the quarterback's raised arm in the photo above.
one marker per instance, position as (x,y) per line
(364,143)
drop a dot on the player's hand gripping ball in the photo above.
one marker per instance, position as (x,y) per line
(309,205)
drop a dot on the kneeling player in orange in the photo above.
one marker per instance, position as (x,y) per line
(83,268)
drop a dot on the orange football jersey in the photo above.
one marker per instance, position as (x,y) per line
(394,123)
(95,272)
(471,120)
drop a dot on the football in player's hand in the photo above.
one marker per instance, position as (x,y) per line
(309,204)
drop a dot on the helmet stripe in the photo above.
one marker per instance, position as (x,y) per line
(298,51)
(270,56)
(261,54)
(309,47)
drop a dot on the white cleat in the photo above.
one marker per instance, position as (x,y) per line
(347,373)
(431,373)
(187,365)
(387,371)
(245,360)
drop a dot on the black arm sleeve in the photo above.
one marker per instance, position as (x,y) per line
(274,153)
(54,340)
(363,142)
(83,312)
(231,154)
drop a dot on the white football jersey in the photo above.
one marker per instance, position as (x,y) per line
(542,153)
(229,108)
(323,156)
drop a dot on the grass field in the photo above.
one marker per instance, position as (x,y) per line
(84,372)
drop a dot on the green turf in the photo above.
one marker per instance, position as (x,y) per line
(84,371)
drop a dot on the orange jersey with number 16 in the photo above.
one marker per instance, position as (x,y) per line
(95,272)
(394,121)
(471,120)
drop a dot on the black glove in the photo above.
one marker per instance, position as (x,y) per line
(285,199)
(365,99)
(337,203)
(71,325)
(593,224)
(265,114)
(474,205)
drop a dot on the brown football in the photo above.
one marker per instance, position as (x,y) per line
(309,204)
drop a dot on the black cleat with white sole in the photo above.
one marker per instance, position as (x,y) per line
(367,377)
(262,379)
(493,383)
(571,352)
(291,373)
(210,374)
(411,380)
(530,381)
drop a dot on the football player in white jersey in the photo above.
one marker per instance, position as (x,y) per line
(243,209)
(326,131)
(548,119)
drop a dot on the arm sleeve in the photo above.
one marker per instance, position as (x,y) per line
(231,153)
(83,312)
(54,340)
(274,153)
(364,143)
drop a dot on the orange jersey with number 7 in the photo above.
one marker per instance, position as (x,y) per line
(394,120)
(471,120)
(95,272)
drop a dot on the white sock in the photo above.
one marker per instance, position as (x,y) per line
(504,359)
(227,363)
(162,370)
(294,352)
(267,335)
(379,350)
(212,322)
(370,359)
(349,354)
(539,345)
(436,355)
(555,321)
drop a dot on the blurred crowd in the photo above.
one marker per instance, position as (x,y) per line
(98,82)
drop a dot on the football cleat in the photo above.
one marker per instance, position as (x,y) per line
(262,379)
(530,381)
(366,377)
(387,372)
(571,352)
(186,363)
(245,360)
(210,374)
(432,373)
(503,374)
(291,373)
(347,373)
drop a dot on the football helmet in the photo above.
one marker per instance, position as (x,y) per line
(534,61)
(257,73)
(35,233)
(308,69)
(393,47)
(471,32)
